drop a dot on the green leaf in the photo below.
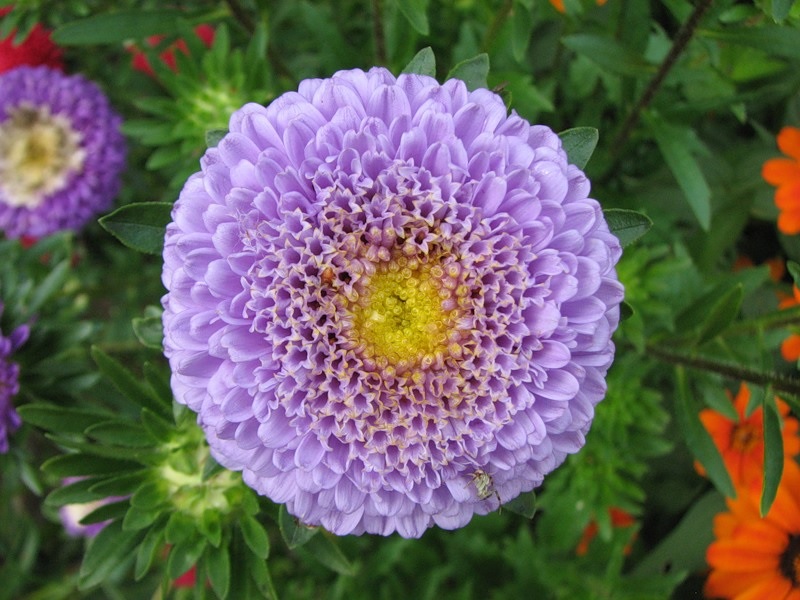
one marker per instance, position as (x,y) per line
(473,72)
(775,40)
(105,553)
(255,536)
(524,505)
(77,492)
(521,29)
(627,225)
(140,226)
(60,419)
(697,438)
(209,525)
(214,136)
(136,518)
(218,567)
(149,331)
(129,385)
(295,534)
(114,28)
(723,312)
(50,285)
(415,11)
(773,452)
(184,555)
(150,496)
(579,143)
(780,9)
(794,271)
(180,528)
(120,432)
(107,512)
(156,426)
(148,549)
(684,548)
(121,485)
(326,550)
(78,463)
(673,141)
(423,63)
(607,53)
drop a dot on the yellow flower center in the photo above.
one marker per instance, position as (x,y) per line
(38,152)
(406,314)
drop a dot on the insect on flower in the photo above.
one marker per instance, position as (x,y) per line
(484,485)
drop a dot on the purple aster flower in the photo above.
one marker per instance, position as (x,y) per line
(390,302)
(61,152)
(9,382)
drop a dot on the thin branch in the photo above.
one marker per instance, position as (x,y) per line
(682,39)
(779,382)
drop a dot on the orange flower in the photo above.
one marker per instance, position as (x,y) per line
(619,518)
(757,558)
(785,174)
(559,4)
(741,442)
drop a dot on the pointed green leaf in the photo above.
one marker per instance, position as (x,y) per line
(105,553)
(116,27)
(60,419)
(627,225)
(214,136)
(326,550)
(423,63)
(294,533)
(723,312)
(255,536)
(579,144)
(149,331)
(607,53)
(52,284)
(521,29)
(780,9)
(672,141)
(128,385)
(121,433)
(218,568)
(773,452)
(140,226)
(79,463)
(122,485)
(138,518)
(209,525)
(184,555)
(151,545)
(106,512)
(698,439)
(524,505)
(77,492)
(150,495)
(415,11)
(473,72)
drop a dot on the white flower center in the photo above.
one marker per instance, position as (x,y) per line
(38,152)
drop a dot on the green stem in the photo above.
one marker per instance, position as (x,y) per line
(682,39)
(779,382)
(775,320)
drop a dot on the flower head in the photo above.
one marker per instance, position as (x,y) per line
(389,302)
(36,49)
(741,442)
(61,152)
(785,174)
(9,382)
(754,557)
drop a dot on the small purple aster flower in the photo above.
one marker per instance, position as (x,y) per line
(389,301)
(9,382)
(61,152)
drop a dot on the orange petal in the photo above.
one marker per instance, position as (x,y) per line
(726,584)
(787,196)
(789,141)
(558,5)
(789,223)
(772,588)
(790,348)
(778,171)
(734,555)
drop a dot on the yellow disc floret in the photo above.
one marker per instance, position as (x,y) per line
(399,316)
